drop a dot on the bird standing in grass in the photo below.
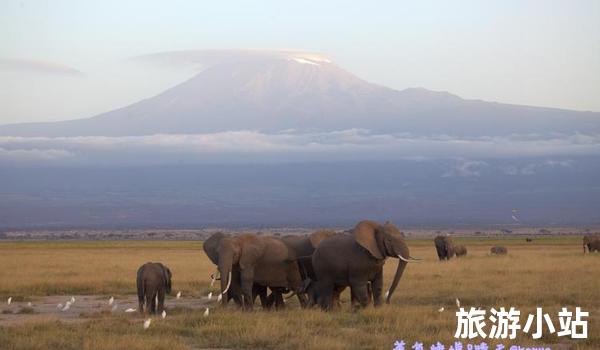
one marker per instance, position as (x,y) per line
(206,312)
(147,323)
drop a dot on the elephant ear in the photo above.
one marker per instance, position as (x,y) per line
(317,237)
(365,234)
(252,249)
(211,246)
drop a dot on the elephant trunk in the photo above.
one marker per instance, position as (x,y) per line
(399,271)
(225,267)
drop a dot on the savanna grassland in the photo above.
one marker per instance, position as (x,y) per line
(550,272)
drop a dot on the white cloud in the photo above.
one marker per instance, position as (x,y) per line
(32,155)
(352,144)
(466,168)
(37,66)
(210,57)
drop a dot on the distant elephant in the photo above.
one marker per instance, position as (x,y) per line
(444,246)
(249,263)
(460,250)
(499,250)
(592,243)
(355,259)
(153,282)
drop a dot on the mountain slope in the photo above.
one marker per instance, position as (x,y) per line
(297,93)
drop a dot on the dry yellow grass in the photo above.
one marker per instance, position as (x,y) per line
(550,272)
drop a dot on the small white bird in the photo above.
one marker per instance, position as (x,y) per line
(111,300)
(387,293)
(219,297)
(457,303)
(441,309)
(131,310)
(164,314)
(206,312)
(9,300)
(147,323)
(67,306)
(59,306)
(178,294)
(114,308)
(72,300)
(210,296)
(29,304)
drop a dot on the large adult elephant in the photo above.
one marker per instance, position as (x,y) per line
(153,282)
(357,258)
(444,246)
(592,243)
(247,262)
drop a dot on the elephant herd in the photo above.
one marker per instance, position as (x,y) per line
(316,267)
(446,248)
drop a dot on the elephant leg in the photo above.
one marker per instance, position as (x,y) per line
(153,301)
(303,300)
(359,290)
(141,302)
(161,300)
(324,294)
(376,287)
(278,298)
(264,299)
(247,277)
(337,292)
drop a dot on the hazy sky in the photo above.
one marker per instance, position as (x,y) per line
(69,59)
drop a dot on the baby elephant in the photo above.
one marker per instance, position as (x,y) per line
(153,281)
(498,250)
(460,250)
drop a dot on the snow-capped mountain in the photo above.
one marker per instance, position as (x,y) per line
(270,94)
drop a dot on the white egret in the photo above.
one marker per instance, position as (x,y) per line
(441,309)
(131,310)
(178,294)
(164,314)
(9,300)
(111,300)
(206,312)
(147,323)
(210,296)
(67,306)
(59,306)
(72,300)
(219,297)
(457,302)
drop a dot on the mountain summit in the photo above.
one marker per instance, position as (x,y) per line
(271,94)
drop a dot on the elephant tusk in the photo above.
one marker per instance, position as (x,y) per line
(228,284)
(409,260)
